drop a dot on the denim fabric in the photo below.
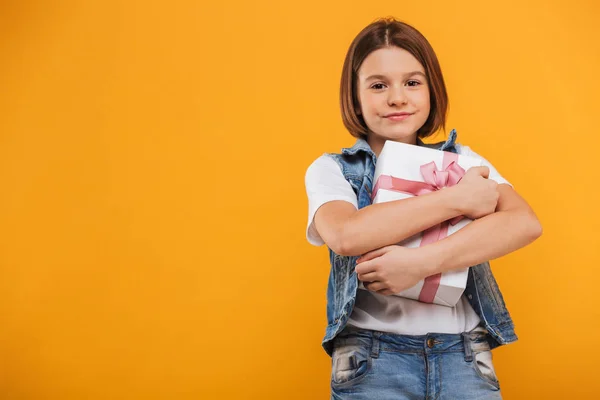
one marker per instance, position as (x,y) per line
(358,166)
(376,365)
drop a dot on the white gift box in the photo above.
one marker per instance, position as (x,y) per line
(402,164)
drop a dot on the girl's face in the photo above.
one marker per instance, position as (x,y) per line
(391,80)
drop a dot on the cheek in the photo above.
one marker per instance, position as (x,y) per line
(423,100)
(370,104)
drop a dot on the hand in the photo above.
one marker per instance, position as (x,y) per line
(477,196)
(392,269)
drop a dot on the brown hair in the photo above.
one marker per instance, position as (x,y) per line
(382,33)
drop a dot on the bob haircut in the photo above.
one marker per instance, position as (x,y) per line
(383,33)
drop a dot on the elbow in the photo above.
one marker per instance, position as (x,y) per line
(535,230)
(344,245)
(539,230)
(528,225)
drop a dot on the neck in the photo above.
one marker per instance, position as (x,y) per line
(376,143)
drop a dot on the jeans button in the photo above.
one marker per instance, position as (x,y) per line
(430,342)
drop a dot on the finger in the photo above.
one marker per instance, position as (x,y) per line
(484,171)
(366,267)
(373,254)
(368,277)
(386,292)
(376,286)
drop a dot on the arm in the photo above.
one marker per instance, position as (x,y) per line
(512,226)
(350,232)
(392,269)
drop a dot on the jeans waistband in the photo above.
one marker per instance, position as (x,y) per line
(476,340)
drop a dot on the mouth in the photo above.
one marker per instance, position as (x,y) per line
(398,117)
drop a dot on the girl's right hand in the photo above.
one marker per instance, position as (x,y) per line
(477,196)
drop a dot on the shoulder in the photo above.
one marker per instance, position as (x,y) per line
(494,174)
(463,149)
(325,167)
(325,161)
(467,151)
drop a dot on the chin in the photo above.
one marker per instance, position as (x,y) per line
(399,135)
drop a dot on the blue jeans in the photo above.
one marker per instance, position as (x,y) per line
(376,365)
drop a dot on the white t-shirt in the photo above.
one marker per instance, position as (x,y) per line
(325,182)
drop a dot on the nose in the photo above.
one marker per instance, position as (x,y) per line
(396,95)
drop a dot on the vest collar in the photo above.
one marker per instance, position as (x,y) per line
(362,145)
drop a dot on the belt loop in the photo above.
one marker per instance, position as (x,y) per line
(467,345)
(375,344)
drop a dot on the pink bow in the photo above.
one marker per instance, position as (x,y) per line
(435,179)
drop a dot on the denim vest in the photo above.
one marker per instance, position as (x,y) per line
(358,166)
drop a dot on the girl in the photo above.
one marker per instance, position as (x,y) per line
(389,347)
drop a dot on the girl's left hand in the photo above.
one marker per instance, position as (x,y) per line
(392,269)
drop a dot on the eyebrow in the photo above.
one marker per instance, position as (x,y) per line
(405,75)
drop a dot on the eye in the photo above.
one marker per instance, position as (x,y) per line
(416,82)
(377,84)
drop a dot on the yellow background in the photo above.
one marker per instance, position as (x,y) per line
(153,209)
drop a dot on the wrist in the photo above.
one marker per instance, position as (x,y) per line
(454,200)
(434,259)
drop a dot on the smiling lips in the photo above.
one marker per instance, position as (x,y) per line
(398,116)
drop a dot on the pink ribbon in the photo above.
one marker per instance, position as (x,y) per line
(435,179)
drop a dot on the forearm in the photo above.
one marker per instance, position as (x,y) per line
(484,239)
(387,223)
